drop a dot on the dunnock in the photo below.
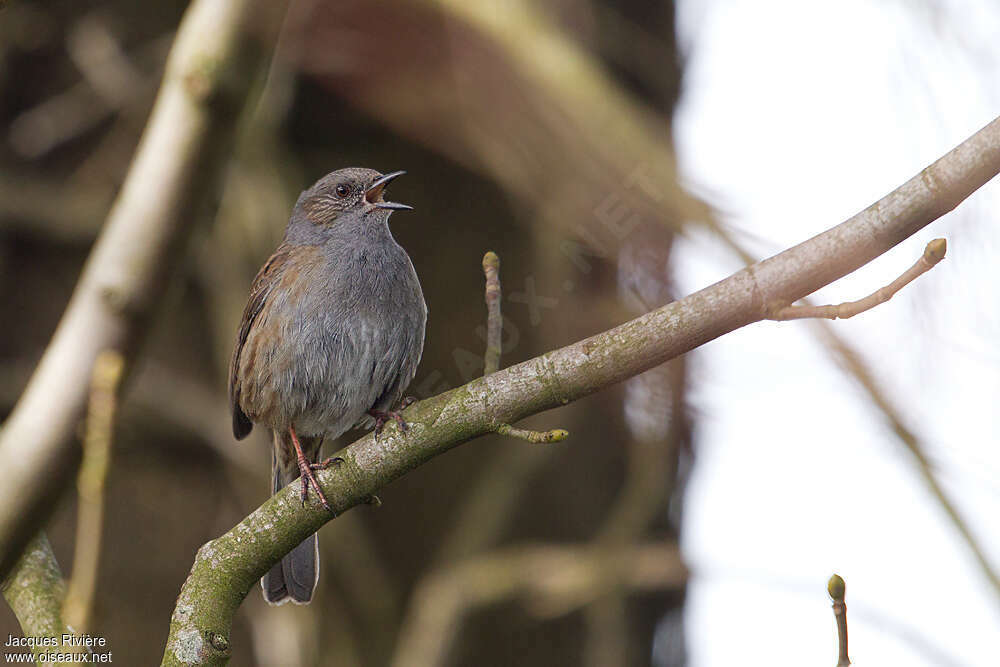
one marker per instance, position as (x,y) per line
(331,336)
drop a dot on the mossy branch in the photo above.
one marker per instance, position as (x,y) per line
(227,568)
(35,590)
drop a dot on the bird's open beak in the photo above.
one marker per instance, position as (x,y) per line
(374,193)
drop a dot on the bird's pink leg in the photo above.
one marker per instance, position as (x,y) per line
(306,473)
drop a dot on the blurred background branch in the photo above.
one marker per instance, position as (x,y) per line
(186,142)
(549,580)
(90,482)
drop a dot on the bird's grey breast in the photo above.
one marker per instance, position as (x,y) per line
(361,333)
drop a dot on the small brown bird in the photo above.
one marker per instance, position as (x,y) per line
(331,336)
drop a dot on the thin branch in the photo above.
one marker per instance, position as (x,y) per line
(494,323)
(185,144)
(933,253)
(488,506)
(837,588)
(484,511)
(494,329)
(93,471)
(226,568)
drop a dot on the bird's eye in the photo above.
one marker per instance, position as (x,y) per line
(342,191)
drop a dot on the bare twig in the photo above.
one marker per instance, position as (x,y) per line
(546,577)
(486,508)
(933,253)
(837,588)
(93,471)
(494,323)
(555,435)
(185,143)
(494,329)
(489,504)
(227,567)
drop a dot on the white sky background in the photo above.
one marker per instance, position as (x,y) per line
(795,116)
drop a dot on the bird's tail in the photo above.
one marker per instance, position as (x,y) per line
(294,577)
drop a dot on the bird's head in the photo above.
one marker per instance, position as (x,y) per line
(355,192)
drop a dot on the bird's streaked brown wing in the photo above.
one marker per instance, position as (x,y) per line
(268,276)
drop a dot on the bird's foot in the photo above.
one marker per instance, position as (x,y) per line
(309,479)
(307,475)
(382,416)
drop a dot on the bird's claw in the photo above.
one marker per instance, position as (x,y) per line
(327,462)
(382,416)
(309,479)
